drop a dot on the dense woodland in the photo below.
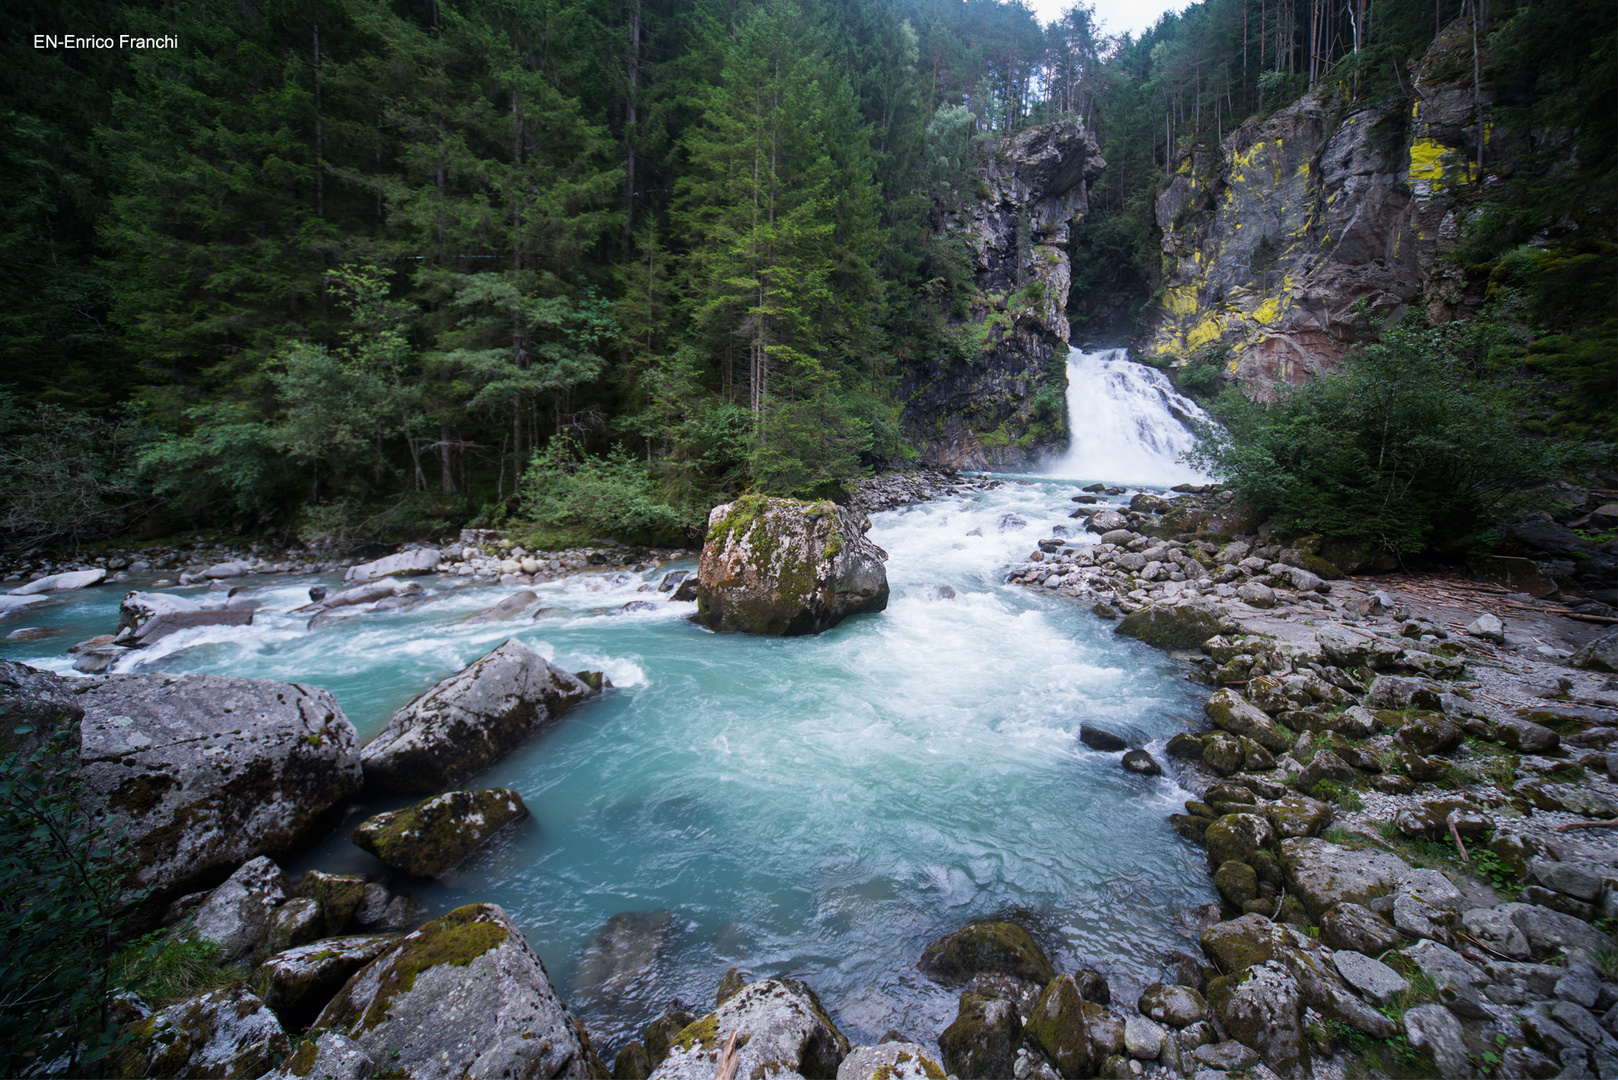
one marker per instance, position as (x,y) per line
(373,266)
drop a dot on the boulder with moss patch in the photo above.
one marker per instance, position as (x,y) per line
(1077,1034)
(1001,948)
(339,897)
(223,1033)
(890,1061)
(299,982)
(982,1040)
(431,837)
(781,1030)
(1184,624)
(1262,1008)
(463,995)
(330,1057)
(784,567)
(203,772)
(470,720)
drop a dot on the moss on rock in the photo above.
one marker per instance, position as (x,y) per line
(432,836)
(1002,948)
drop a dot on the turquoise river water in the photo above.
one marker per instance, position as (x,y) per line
(822,807)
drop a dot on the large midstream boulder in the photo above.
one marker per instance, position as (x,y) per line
(404,564)
(208,771)
(784,567)
(145,617)
(469,721)
(781,1030)
(462,996)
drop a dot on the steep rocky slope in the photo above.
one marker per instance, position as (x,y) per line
(1269,245)
(1000,405)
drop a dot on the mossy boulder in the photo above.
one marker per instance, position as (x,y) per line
(463,995)
(982,1041)
(1298,815)
(1236,882)
(1429,733)
(632,1062)
(780,1026)
(299,982)
(432,836)
(783,567)
(890,1061)
(1223,753)
(467,722)
(223,1033)
(1237,837)
(987,947)
(1231,712)
(1354,926)
(1076,1034)
(1182,625)
(338,895)
(1323,874)
(1262,1008)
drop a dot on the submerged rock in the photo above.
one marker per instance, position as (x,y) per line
(462,996)
(207,771)
(469,721)
(999,947)
(784,567)
(622,954)
(508,608)
(433,836)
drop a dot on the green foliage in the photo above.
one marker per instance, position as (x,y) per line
(1407,446)
(168,966)
(566,490)
(63,903)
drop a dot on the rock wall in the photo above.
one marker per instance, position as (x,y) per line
(1000,405)
(1269,245)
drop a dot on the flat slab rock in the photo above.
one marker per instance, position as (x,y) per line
(467,722)
(209,771)
(462,996)
(431,837)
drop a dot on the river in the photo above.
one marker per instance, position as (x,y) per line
(822,807)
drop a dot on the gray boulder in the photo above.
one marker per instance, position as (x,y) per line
(782,567)
(889,1061)
(330,1057)
(1351,926)
(462,996)
(1488,628)
(1371,978)
(40,702)
(470,720)
(404,564)
(1105,521)
(781,1030)
(509,608)
(1181,625)
(1233,713)
(1598,655)
(1434,1029)
(1460,983)
(73,579)
(207,771)
(10,602)
(1169,1003)
(236,915)
(226,1033)
(431,837)
(298,982)
(145,617)
(1262,1007)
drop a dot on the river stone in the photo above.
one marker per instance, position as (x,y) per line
(1460,984)
(339,897)
(1181,625)
(236,915)
(1262,1008)
(1598,655)
(782,567)
(1233,713)
(1143,1039)
(330,1057)
(1323,874)
(1371,978)
(404,564)
(998,947)
(1223,753)
(889,1061)
(1352,926)
(1236,882)
(1256,594)
(1580,880)
(73,579)
(10,603)
(982,1040)
(462,996)
(782,1029)
(294,923)
(433,836)
(621,956)
(1098,739)
(1077,1035)
(1225,1058)
(1297,815)
(468,721)
(508,608)
(41,702)
(1174,1005)
(207,771)
(297,983)
(1551,932)
(223,1033)
(1429,733)
(1237,836)
(1434,1029)
(1488,627)
(1141,763)
(1105,521)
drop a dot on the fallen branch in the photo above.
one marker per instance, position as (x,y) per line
(1455,834)
(1613,824)
(727,1058)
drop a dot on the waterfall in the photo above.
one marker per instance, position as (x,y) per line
(1129,424)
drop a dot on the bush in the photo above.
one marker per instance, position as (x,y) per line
(567,491)
(1405,446)
(63,906)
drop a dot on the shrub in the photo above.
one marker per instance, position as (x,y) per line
(567,490)
(1405,446)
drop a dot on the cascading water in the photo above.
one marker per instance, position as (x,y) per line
(820,806)
(1129,424)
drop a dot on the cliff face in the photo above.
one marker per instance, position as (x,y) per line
(1000,403)
(1269,245)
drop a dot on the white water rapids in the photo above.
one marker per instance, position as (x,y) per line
(821,806)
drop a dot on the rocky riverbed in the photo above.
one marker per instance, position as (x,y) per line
(1382,789)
